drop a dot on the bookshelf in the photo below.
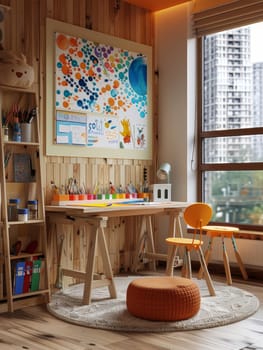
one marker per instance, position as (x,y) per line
(23,243)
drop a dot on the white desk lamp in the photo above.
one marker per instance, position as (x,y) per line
(163,173)
(162,192)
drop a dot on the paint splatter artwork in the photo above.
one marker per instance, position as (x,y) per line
(106,87)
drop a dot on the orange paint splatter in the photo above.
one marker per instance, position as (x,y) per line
(111,101)
(91,72)
(73,42)
(78,75)
(65,69)
(62,42)
(65,104)
(82,65)
(116,84)
(62,58)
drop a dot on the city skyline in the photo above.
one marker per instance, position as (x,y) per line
(256,38)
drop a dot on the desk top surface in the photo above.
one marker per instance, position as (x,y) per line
(117,209)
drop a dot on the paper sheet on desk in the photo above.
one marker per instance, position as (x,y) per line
(107,203)
(118,204)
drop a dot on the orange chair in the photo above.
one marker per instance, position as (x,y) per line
(223,232)
(195,215)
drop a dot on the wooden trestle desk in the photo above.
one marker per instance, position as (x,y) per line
(96,217)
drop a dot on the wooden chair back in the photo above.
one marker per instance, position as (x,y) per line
(198,215)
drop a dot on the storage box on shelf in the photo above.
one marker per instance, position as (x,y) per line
(23,248)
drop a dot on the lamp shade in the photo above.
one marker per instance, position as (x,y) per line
(163,173)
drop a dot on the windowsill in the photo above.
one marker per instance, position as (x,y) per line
(243,234)
(249,234)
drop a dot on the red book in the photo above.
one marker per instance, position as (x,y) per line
(28,276)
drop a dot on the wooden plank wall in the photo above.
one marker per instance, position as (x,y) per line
(25,32)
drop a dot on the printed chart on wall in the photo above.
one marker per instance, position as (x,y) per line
(102,95)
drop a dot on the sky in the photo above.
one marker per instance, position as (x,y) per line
(256,42)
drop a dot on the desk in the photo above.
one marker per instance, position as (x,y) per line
(96,217)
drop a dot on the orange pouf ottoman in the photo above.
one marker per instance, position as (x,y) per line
(163,298)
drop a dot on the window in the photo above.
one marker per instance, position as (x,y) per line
(231,125)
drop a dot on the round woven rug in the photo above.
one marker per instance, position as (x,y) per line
(230,305)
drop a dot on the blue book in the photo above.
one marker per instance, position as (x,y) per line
(19,277)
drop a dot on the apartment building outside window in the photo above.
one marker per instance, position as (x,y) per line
(230,129)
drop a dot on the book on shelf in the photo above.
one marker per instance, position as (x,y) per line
(35,275)
(22,167)
(42,282)
(19,275)
(27,276)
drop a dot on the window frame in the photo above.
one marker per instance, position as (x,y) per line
(202,135)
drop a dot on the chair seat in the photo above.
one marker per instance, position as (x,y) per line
(184,242)
(217,231)
(220,229)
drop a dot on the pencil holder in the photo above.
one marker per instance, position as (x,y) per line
(26,132)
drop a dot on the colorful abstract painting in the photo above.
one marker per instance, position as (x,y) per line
(98,94)
(106,84)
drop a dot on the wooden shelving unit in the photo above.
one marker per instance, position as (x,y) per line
(21,240)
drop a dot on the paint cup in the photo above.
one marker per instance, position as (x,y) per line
(73,197)
(26,131)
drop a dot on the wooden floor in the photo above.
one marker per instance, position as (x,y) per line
(35,329)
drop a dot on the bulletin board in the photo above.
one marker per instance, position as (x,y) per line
(99,94)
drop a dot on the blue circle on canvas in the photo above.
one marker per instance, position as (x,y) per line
(138,75)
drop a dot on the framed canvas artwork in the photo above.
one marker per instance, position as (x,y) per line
(98,94)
